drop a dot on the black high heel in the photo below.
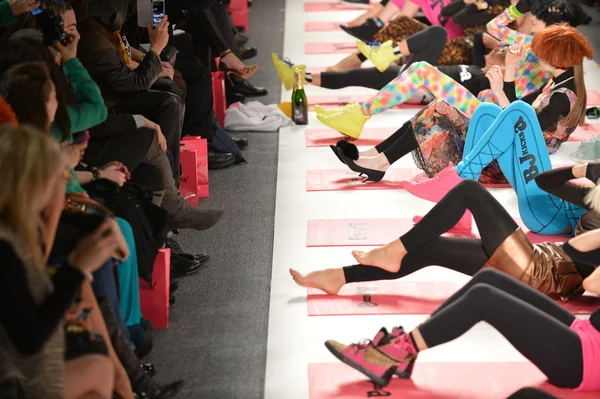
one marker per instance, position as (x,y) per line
(372,174)
(336,151)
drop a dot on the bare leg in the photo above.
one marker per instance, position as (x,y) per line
(316,79)
(377,162)
(372,13)
(89,376)
(350,62)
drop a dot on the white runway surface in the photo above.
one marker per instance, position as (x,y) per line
(295,339)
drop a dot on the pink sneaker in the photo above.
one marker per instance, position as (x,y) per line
(436,188)
(366,358)
(464,225)
(399,347)
(383,339)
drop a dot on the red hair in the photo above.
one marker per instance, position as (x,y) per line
(562,46)
(7,115)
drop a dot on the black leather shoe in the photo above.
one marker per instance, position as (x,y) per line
(149,369)
(241,143)
(245,88)
(248,52)
(182,266)
(220,160)
(174,283)
(364,32)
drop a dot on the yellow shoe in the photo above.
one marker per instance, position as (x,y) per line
(382,56)
(324,111)
(285,70)
(349,120)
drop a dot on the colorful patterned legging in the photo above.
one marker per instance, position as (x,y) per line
(522,156)
(422,75)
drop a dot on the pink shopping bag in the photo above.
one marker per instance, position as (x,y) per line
(200,145)
(154,297)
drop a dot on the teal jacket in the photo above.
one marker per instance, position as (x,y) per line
(6,15)
(90,111)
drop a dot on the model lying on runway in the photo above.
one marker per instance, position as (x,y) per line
(566,349)
(437,136)
(530,76)
(547,267)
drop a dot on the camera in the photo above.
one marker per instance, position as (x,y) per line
(49,19)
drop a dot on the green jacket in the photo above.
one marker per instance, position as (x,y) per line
(6,15)
(90,111)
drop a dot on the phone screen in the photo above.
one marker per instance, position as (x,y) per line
(158,11)
(36,11)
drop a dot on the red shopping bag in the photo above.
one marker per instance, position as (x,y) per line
(219,101)
(154,297)
(188,182)
(200,145)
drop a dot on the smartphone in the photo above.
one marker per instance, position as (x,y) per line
(158,11)
(36,11)
(144,13)
(81,138)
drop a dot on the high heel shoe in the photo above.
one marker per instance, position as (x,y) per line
(372,174)
(245,73)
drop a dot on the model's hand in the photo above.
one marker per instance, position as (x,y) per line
(514,55)
(19,7)
(496,78)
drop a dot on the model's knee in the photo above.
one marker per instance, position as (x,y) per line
(421,66)
(489,276)
(438,33)
(480,292)
(470,188)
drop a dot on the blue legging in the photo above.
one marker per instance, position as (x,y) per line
(129,289)
(514,138)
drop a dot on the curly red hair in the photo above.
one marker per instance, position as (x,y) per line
(7,115)
(562,46)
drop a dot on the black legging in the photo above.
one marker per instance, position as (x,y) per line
(531,393)
(534,324)
(425,246)
(426,45)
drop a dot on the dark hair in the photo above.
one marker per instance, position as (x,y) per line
(64,91)
(26,87)
(15,52)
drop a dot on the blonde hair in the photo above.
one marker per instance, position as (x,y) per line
(28,160)
(593,199)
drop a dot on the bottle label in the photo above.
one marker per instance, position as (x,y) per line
(298,114)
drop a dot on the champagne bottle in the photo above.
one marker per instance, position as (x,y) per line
(299,103)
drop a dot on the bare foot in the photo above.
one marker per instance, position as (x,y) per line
(369,153)
(348,63)
(388,257)
(328,280)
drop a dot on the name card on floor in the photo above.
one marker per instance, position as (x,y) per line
(405,297)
